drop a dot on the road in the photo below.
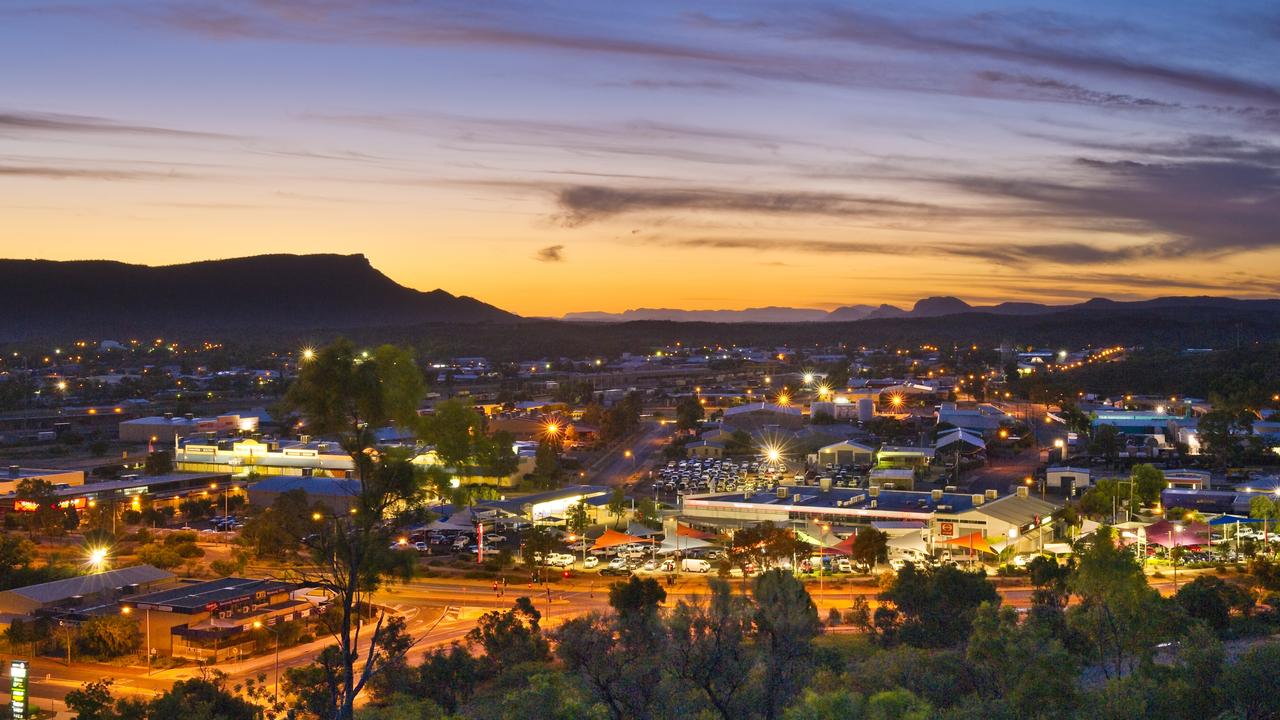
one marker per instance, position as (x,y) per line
(439,611)
(615,468)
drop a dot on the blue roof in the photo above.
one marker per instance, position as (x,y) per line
(313,485)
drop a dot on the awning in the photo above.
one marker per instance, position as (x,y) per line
(1058,548)
(1168,534)
(973,541)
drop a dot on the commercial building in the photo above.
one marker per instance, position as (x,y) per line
(14,474)
(254,457)
(704,449)
(79,593)
(846,452)
(1017,518)
(542,505)
(339,495)
(169,427)
(1068,480)
(129,490)
(214,620)
(982,419)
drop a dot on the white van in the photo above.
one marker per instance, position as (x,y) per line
(697,565)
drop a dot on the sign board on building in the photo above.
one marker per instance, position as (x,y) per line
(947,529)
(18,689)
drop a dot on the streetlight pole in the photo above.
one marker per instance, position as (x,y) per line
(275,695)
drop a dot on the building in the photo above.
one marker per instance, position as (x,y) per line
(1188,479)
(129,490)
(893,478)
(846,452)
(255,457)
(1069,480)
(214,620)
(79,593)
(982,419)
(168,427)
(339,495)
(1018,519)
(704,449)
(755,415)
(839,507)
(15,474)
(904,457)
(542,505)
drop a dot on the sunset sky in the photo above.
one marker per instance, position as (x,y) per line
(553,157)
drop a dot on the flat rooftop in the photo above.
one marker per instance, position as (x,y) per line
(210,594)
(907,504)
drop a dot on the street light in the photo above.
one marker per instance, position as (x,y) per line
(257,624)
(1173,547)
(97,558)
(127,610)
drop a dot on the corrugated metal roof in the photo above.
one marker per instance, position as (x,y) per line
(58,590)
(1016,510)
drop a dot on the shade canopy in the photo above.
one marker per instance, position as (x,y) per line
(1233,519)
(1169,534)
(686,531)
(973,541)
(641,531)
(913,541)
(680,544)
(613,538)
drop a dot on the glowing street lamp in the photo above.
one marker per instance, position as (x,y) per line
(896,401)
(308,354)
(98,558)
(808,378)
(784,399)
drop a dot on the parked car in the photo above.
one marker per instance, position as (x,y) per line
(615,572)
(843,565)
(697,565)
(590,562)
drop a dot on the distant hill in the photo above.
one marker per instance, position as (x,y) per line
(762,314)
(929,307)
(285,293)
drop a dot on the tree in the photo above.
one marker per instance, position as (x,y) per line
(349,393)
(1021,664)
(577,518)
(709,653)
(510,637)
(1211,600)
(832,705)
(1249,683)
(550,696)
(617,504)
(870,546)
(202,697)
(897,705)
(763,545)
(159,462)
(546,467)
(786,622)
(341,390)
(1148,481)
(538,543)
(45,517)
(395,674)
(280,528)
(689,413)
(1119,617)
(449,676)
(1220,431)
(453,429)
(94,701)
(935,607)
(1106,442)
(1265,509)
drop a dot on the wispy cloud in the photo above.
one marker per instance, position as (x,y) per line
(550,254)
(584,204)
(15,123)
(49,172)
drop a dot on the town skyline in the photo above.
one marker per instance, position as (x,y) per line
(565,159)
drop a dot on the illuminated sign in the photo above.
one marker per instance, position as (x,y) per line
(25,506)
(18,689)
(946,529)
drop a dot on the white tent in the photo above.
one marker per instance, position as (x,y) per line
(912,541)
(954,435)
(641,530)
